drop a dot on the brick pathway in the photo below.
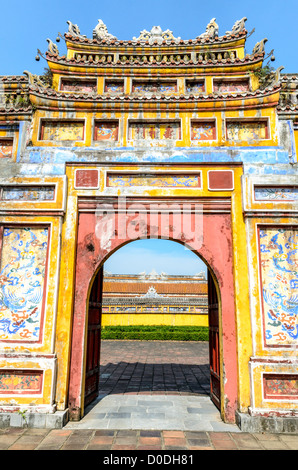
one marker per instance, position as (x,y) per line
(145,367)
(148,440)
(152,368)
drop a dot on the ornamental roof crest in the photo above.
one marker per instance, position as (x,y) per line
(101,31)
(156,35)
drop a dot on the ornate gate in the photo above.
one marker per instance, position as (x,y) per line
(213,342)
(93,340)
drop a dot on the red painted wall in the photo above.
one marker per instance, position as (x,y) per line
(214,245)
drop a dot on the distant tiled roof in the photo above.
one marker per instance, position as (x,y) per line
(167,288)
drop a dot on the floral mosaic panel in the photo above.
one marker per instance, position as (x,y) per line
(154,131)
(241,130)
(20,382)
(203,130)
(6,148)
(62,130)
(230,86)
(76,85)
(22,275)
(281,387)
(105,130)
(263,193)
(163,181)
(279,283)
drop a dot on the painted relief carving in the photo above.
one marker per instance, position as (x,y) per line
(163,181)
(75,85)
(159,87)
(154,131)
(263,193)
(27,193)
(279,283)
(20,382)
(6,148)
(104,130)
(276,387)
(203,130)
(241,130)
(224,86)
(22,276)
(62,130)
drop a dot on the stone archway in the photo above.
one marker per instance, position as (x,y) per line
(203,225)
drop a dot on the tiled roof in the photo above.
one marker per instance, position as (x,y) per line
(141,288)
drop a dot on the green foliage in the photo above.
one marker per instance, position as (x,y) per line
(156,333)
(47,77)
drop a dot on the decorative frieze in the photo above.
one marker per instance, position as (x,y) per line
(278,252)
(62,130)
(157,180)
(24,255)
(20,382)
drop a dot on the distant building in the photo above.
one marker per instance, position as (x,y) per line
(154,299)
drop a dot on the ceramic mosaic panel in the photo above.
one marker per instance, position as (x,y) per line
(106,130)
(279,283)
(160,87)
(164,181)
(114,86)
(62,130)
(27,193)
(154,131)
(76,85)
(195,86)
(20,382)
(203,130)
(244,130)
(277,387)
(263,193)
(22,276)
(6,148)
(230,86)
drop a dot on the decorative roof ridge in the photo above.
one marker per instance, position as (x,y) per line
(145,42)
(287,107)
(249,58)
(14,78)
(150,96)
(156,35)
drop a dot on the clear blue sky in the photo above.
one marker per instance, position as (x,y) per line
(25,26)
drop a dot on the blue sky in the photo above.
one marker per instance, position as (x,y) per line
(25,26)
(159,255)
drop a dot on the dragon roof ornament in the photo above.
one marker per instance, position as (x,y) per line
(101,31)
(156,35)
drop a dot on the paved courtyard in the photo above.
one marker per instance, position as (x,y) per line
(154,385)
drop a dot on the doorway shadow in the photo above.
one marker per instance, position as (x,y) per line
(154,378)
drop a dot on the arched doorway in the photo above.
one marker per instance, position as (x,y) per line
(213,245)
(181,286)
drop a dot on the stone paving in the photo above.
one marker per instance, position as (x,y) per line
(154,396)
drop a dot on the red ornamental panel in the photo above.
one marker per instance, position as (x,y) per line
(280,387)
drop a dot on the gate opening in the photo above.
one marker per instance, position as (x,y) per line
(142,302)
